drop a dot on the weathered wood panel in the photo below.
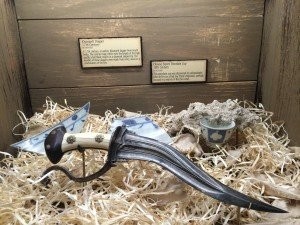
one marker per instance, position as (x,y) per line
(145,98)
(226,32)
(48,9)
(280,68)
(13,90)
(232,46)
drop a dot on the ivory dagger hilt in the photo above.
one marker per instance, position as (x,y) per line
(59,142)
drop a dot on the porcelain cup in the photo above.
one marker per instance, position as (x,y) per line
(216,133)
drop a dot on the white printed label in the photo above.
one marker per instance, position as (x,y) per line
(178,71)
(110,52)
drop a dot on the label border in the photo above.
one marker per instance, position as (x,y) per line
(181,82)
(80,55)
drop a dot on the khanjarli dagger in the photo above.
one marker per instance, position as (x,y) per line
(124,145)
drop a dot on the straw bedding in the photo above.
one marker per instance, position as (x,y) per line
(260,164)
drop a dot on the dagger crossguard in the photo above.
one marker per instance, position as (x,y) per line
(124,145)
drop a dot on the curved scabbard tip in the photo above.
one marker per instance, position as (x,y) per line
(53,144)
(274,209)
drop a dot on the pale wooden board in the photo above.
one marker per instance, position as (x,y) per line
(13,90)
(231,45)
(145,98)
(45,9)
(280,67)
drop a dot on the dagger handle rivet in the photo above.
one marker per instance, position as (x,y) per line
(99,138)
(53,132)
(71,139)
(48,146)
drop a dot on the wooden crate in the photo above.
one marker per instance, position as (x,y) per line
(252,48)
(13,89)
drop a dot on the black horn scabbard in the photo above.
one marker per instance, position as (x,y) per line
(128,146)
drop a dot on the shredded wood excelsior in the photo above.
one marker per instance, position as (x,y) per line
(262,166)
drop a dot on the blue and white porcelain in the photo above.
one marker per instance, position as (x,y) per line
(73,124)
(143,126)
(216,133)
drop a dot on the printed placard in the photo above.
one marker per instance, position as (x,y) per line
(110,52)
(178,71)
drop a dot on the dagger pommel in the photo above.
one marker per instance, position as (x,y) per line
(53,144)
(58,142)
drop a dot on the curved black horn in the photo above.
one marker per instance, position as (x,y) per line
(127,146)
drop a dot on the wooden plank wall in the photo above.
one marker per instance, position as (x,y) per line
(13,90)
(227,33)
(280,67)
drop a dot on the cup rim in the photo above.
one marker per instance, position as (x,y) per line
(230,126)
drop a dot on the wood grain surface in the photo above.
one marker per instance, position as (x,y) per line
(13,90)
(226,32)
(54,9)
(231,45)
(145,98)
(280,67)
